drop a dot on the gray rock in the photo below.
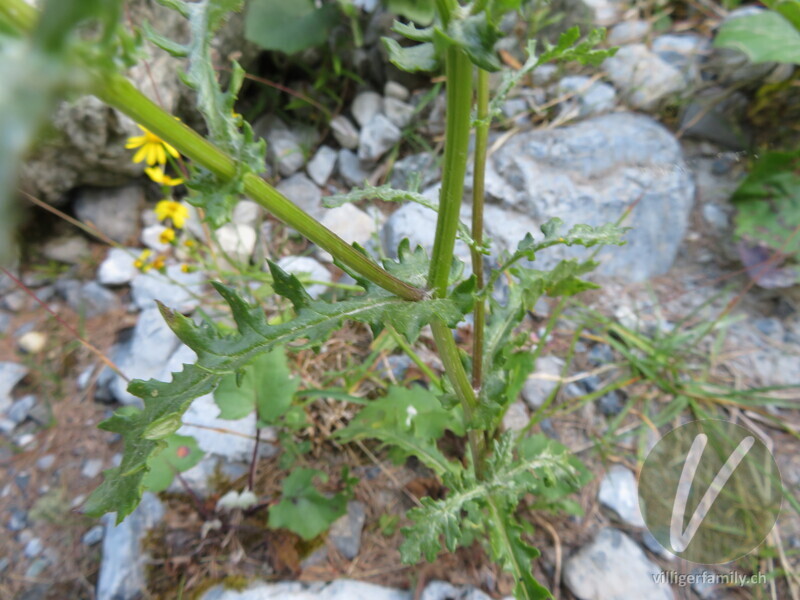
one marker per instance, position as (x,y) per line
(284,149)
(18,519)
(611,404)
(92,468)
(33,548)
(350,223)
(613,567)
(540,384)
(715,216)
(377,137)
(398,112)
(643,77)
(72,250)
(114,211)
(306,268)
(683,51)
(144,355)
(93,536)
(90,299)
(591,98)
(345,533)
(303,192)
(442,590)
(618,492)
(237,240)
(176,289)
(45,462)
(118,268)
(651,543)
(352,170)
(345,132)
(517,417)
(627,32)
(716,114)
(20,410)
(421,167)
(365,106)
(322,165)
(592,172)
(247,212)
(11,374)
(392,89)
(544,74)
(341,589)
(5,322)
(122,570)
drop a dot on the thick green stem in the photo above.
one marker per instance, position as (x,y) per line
(478,180)
(459,102)
(117,91)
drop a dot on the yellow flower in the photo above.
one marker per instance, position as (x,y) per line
(151,148)
(141,262)
(190,243)
(186,268)
(158,263)
(169,209)
(157,174)
(167,236)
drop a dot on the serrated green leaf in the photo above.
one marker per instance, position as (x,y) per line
(511,552)
(180,454)
(764,37)
(476,35)
(413,33)
(506,480)
(219,355)
(409,420)
(768,202)
(267,387)
(289,286)
(579,235)
(303,509)
(411,59)
(568,48)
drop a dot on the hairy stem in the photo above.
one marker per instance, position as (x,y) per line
(478,181)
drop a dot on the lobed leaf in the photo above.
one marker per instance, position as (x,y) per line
(768,36)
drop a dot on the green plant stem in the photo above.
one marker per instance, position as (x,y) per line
(116,91)
(120,93)
(459,102)
(478,184)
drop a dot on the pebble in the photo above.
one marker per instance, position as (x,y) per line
(93,536)
(92,468)
(345,132)
(72,249)
(395,90)
(284,149)
(590,98)
(398,112)
(11,374)
(32,342)
(352,170)
(345,533)
(118,268)
(365,106)
(517,417)
(89,299)
(114,211)
(611,404)
(320,168)
(45,462)
(341,589)
(303,192)
(619,493)
(33,548)
(537,389)
(37,568)
(628,32)
(21,408)
(307,268)
(237,241)
(377,137)
(176,289)
(350,223)
(613,567)
(247,212)
(442,590)
(643,77)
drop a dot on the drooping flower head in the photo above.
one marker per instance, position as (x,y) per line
(157,174)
